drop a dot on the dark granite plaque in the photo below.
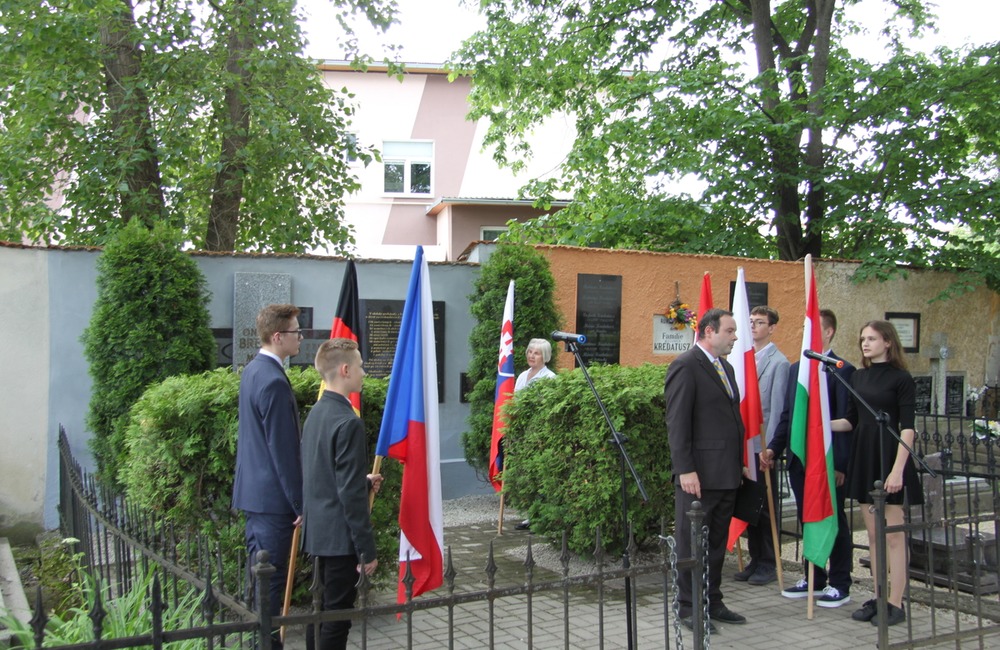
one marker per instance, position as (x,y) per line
(924,394)
(756,294)
(223,346)
(311,340)
(380,327)
(599,316)
(954,395)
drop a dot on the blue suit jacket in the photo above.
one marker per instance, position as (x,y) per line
(268,460)
(840,400)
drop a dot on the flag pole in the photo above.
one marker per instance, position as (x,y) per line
(809,602)
(290,580)
(500,520)
(774,525)
(376,468)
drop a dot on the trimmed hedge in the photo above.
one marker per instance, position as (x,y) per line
(561,468)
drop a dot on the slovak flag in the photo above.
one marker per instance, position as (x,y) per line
(410,434)
(744,362)
(505,388)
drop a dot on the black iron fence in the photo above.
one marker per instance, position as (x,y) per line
(953,595)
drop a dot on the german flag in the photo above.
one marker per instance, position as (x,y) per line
(347,319)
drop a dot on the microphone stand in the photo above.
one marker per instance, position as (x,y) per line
(623,461)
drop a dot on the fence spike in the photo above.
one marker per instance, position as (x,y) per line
(39,619)
(449,572)
(97,612)
(491,567)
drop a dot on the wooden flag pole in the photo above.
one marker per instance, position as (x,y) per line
(739,552)
(809,606)
(500,522)
(376,468)
(290,581)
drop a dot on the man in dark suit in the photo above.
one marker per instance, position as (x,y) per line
(834,589)
(268,483)
(705,431)
(337,527)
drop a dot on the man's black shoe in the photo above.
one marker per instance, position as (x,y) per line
(725,615)
(764,575)
(524,525)
(688,622)
(744,575)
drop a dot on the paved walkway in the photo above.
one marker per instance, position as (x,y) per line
(773,621)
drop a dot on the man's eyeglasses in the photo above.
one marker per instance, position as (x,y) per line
(296,332)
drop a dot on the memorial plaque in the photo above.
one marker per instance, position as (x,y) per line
(954,395)
(251,293)
(223,346)
(756,294)
(380,327)
(599,316)
(667,339)
(924,394)
(311,340)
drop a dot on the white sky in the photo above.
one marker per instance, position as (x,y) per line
(429,30)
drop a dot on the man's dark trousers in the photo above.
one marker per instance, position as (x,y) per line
(340,578)
(271,533)
(718,508)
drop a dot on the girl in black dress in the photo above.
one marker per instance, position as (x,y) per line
(885,384)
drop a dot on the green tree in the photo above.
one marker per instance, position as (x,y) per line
(679,148)
(201,114)
(150,322)
(535,315)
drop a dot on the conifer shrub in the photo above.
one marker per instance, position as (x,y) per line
(150,321)
(535,316)
(562,470)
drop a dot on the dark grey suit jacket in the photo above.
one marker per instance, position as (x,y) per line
(268,467)
(703,423)
(335,475)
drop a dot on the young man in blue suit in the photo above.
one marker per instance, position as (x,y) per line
(268,483)
(705,431)
(337,527)
(834,588)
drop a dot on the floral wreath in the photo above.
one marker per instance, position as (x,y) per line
(680,315)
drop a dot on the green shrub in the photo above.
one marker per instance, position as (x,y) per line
(561,468)
(535,316)
(181,457)
(150,321)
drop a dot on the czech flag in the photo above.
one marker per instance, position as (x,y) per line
(744,362)
(410,434)
(505,388)
(347,320)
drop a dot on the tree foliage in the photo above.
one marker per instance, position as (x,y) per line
(535,316)
(201,114)
(682,146)
(150,322)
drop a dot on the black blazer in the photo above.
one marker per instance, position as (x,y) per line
(335,479)
(704,426)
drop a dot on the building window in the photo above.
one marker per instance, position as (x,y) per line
(351,151)
(407,167)
(492,233)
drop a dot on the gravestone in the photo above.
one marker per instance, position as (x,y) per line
(251,293)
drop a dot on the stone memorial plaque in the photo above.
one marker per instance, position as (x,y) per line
(311,340)
(380,331)
(667,340)
(756,294)
(599,316)
(251,293)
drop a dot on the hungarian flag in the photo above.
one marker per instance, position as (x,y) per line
(347,320)
(705,300)
(745,366)
(410,434)
(811,439)
(505,388)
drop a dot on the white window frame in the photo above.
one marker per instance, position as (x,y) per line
(498,229)
(408,153)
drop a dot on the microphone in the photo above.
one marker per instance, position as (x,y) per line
(569,337)
(837,363)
